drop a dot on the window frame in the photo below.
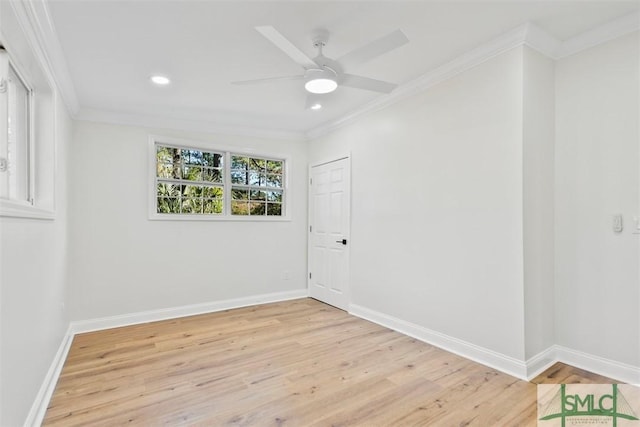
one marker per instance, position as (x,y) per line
(18,207)
(180,182)
(249,188)
(228,151)
(49,124)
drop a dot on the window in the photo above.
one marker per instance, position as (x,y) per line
(30,124)
(189,181)
(15,97)
(198,183)
(256,186)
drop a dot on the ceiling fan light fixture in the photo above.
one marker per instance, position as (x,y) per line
(321,85)
(320,81)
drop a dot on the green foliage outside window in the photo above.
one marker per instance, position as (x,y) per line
(200,169)
(191,181)
(256,186)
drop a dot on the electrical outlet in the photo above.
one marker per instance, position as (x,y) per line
(617,223)
(286,275)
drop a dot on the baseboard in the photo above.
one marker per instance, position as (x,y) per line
(39,407)
(524,370)
(182,311)
(501,362)
(541,362)
(599,365)
(509,365)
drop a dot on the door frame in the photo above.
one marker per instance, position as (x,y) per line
(344,156)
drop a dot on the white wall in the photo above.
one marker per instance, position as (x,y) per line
(452,220)
(597,175)
(33,261)
(33,282)
(538,173)
(124,263)
(437,206)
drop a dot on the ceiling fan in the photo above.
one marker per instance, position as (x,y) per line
(323,75)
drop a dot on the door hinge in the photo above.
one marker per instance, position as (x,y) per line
(309,275)
(310,228)
(310,181)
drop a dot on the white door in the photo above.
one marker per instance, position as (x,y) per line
(329,201)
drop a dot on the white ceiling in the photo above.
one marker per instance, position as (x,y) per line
(112,47)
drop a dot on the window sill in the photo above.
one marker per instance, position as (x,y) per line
(156,217)
(12,209)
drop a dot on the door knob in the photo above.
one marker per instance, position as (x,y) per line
(343,241)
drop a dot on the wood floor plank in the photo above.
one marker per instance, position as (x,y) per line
(293,363)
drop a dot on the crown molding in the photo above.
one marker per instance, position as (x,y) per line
(34,18)
(617,28)
(165,122)
(464,62)
(538,39)
(527,34)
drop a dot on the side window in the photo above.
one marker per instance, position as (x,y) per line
(15,135)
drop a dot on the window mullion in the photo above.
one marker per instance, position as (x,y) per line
(227,184)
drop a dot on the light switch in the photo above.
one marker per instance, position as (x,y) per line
(617,223)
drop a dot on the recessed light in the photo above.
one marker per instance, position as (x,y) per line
(160,80)
(316,106)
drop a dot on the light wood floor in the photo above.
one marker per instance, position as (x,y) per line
(294,363)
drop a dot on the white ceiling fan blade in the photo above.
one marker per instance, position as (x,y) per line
(268,79)
(286,46)
(367,83)
(375,48)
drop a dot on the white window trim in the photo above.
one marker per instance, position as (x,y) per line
(26,208)
(209,146)
(13,209)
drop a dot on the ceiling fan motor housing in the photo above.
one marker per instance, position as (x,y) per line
(328,66)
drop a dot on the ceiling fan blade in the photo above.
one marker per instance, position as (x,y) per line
(367,83)
(268,79)
(286,46)
(375,48)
